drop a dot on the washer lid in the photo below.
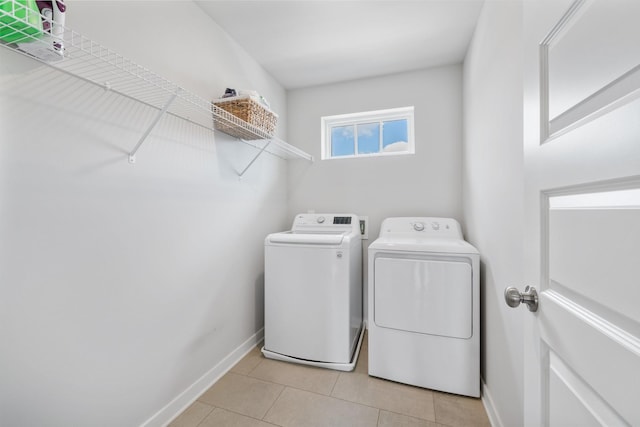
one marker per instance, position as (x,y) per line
(289,237)
(424,244)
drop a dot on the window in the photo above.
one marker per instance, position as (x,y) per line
(372,133)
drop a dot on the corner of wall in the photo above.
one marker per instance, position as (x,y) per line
(492,192)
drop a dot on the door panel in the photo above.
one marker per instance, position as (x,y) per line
(582,201)
(572,402)
(424,296)
(603,31)
(600,355)
(595,251)
(588,63)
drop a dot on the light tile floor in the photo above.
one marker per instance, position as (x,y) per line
(263,392)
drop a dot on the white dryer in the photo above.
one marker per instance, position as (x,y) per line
(424,311)
(313,292)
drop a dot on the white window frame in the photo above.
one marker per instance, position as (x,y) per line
(328,122)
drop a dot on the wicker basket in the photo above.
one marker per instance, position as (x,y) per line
(256,121)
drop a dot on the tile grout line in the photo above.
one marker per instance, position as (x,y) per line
(246,416)
(383,409)
(293,386)
(248,374)
(351,402)
(417,418)
(325,395)
(435,408)
(339,398)
(273,404)
(213,408)
(334,384)
(331,397)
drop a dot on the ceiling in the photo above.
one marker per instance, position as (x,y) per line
(312,42)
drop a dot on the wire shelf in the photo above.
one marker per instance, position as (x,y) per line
(86,59)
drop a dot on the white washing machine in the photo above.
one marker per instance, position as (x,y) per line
(313,292)
(424,311)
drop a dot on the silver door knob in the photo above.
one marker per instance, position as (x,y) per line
(513,297)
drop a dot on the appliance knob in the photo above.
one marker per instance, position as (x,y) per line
(435,226)
(418,226)
(320,219)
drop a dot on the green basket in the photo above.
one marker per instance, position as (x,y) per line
(20,21)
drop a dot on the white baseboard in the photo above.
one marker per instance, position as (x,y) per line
(181,402)
(489,406)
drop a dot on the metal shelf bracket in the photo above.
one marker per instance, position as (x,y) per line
(132,154)
(254,158)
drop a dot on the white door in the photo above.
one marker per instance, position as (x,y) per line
(582,200)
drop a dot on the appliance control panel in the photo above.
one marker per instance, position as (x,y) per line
(422,226)
(326,222)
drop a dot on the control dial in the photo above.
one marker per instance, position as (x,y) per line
(418,226)
(320,219)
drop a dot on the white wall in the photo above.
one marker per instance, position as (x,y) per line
(122,286)
(493,196)
(424,184)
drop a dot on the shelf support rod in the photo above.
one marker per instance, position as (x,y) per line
(132,154)
(255,158)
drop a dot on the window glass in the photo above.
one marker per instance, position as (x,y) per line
(394,135)
(342,141)
(368,138)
